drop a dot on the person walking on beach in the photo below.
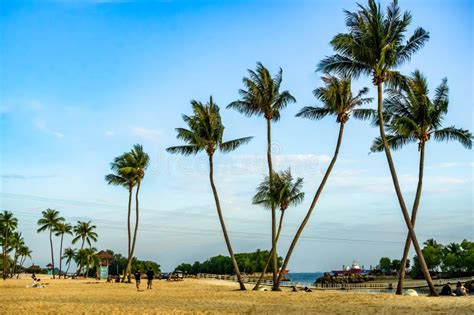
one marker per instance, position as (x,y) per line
(138,278)
(150,275)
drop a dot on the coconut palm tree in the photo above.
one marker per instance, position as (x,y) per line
(8,224)
(60,230)
(69,255)
(262,97)
(16,242)
(337,100)
(134,166)
(84,231)
(80,260)
(49,222)
(376,45)
(90,258)
(205,133)
(413,117)
(285,193)
(127,180)
(24,253)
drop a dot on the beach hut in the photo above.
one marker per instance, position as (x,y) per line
(105,260)
(33,269)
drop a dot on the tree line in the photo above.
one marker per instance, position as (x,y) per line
(84,231)
(119,263)
(249,263)
(375,45)
(449,261)
(14,250)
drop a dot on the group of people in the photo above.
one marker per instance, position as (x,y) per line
(150,275)
(36,282)
(459,291)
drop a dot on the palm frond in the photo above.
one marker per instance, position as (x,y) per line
(244,107)
(231,145)
(343,65)
(184,149)
(315,113)
(364,113)
(452,133)
(395,142)
(414,43)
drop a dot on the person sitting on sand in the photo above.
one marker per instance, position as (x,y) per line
(446,290)
(138,278)
(460,289)
(150,274)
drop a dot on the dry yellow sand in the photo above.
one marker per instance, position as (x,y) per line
(207,297)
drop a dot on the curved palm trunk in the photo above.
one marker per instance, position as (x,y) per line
(221,220)
(61,255)
(15,261)
(67,269)
(87,268)
(401,201)
(270,182)
(406,250)
(51,244)
(313,203)
(22,261)
(80,262)
(130,257)
(130,192)
(257,285)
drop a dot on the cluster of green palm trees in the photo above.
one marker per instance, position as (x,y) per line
(128,171)
(14,250)
(84,257)
(375,45)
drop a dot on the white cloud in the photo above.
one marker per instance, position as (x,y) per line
(302,158)
(41,125)
(299,163)
(446,165)
(145,133)
(450,180)
(109,133)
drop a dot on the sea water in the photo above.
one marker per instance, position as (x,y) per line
(302,278)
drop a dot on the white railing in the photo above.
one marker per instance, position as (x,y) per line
(334,286)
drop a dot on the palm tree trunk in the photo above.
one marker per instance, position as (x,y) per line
(22,261)
(67,269)
(221,220)
(411,231)
(87,268)
(80,262)
(61,256)
(130,192)
(51,244)
(257,285)
(15,261)
(401,273)
(130,257)
(313,203)
(5,247)
(270,182)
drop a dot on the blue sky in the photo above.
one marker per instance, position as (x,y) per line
(82,81)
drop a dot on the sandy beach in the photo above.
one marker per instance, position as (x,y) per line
(207,297)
